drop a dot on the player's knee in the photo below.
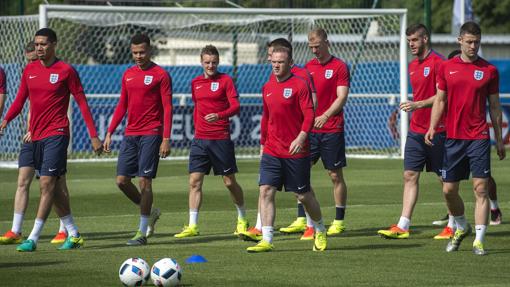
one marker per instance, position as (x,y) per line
(265,193)
(24,185)
(122,181)
(195,185)
(411,176)
(302,197)
(480,190)
(449,191)
(47,184)
(336,177)
(229,181)
(145,184)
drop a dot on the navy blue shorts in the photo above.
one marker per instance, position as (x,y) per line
(26,155)
(330,148)
(218,154)
(292,173)
(50,155)
(464,156)
(139,156)
(418,154)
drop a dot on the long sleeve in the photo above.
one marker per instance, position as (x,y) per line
(233,100)
(79,96)
(121,108)
(166,99)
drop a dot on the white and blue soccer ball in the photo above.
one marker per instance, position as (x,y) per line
(134,272)
(166,272)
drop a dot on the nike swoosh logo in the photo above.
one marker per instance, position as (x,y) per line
(268,94)
(337,163)
(301,187)
(486,171)
(412,73)
(453,72)
(311,73)
(31,77)
(226,170)
(198,87)
(147,171)
(52,169)
(129,79)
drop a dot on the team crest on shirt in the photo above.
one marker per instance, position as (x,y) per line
(53,78)
(426,71)
(215,86)
(287,93)
(478,75)
(328,74)
(148,80)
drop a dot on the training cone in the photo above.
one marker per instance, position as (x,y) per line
(195,258)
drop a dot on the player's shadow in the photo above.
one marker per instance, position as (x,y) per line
(107,235)
(117,245)
(376,246)
(29,264)
(504,233)
(359,247)
(203,238)
(500,251)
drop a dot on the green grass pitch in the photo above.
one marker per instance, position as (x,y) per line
(357,258)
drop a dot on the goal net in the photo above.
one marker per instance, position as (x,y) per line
(95,40)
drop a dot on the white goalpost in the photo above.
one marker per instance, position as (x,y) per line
(95,40)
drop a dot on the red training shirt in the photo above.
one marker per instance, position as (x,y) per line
(146,95)
(301,72)
(467,86)
(287,111)
(48,90)
(216,94)
(422,74)
(327,77)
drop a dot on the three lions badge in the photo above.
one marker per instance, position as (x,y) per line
(478,75)
(148,80)
(328,74)
(53,78)
(287,92)
(426,71)
(215,86)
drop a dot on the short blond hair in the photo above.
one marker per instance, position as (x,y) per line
(281,49)
(318,33)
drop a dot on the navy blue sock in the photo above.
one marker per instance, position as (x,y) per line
(300,210)
(340,213)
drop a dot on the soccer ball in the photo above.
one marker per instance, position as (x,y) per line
(166,272)
(134,272)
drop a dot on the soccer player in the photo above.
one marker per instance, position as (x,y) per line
(47,83)
(146,95)
(287,118)
(303,223)
(216,100)
(465,83)
(26,173)
(496,215)
(422,72)
(331,78)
